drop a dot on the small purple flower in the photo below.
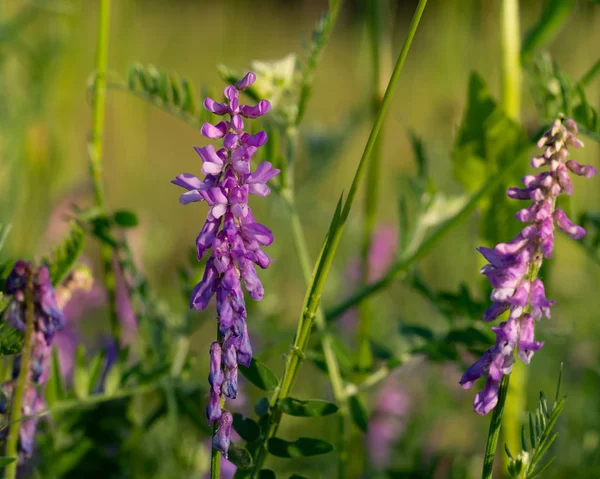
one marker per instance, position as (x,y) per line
(513,266)
(233,236)
(222,438)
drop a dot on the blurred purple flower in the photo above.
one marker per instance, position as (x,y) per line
(381,255)
(235,239)
(387,423)
(48,319)
(513,266)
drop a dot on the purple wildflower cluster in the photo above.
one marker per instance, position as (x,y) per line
(235,238)
(47,320)
(513,267)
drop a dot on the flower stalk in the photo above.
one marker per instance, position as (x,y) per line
(96,153)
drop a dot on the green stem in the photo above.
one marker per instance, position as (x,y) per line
(215,455)
(312,300)
(511,101)
(12,442)
(511,60)
(494,432)
(96,151)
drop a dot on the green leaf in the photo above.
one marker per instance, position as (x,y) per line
(112,381)
(307,408)
(95,370)
(301,447)
(487,143)
(260,375)
(80,374)
(239,456)
(297,476)
(248,429)
(63,257)
(125,218)
(11,340)
(55,388)
(541,469)
(266,474)
(5,461)
(358,413)
(554,15)
(262,406)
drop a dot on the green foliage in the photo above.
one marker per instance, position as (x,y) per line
(487,142)
(248,429)
(306,408)
(262,406)
(165,90)
(260,375)
(266,474)
(64,256)
(11,340)
(358,413)
(591,241)
(125,219)
(5,461)
(536,438)
(554,14)
(555,93)
(301,447)
(239,456)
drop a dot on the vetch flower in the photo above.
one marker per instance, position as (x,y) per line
(513,266)
(48,319)
(234,238)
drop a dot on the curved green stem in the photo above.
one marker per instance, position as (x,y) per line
(96,151)
(312,300)
(12,442)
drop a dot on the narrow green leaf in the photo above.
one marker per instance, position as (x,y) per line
(301,447)
(95,370)
(541,469)
(552,19)
(5,461)
(306,408)
(523,439)
(358,413)
(532,432)
(112,382)
(507,450)
(239,456)
(125,218)
(248,429)
(176,95)
(56,383)
(260,375)
(80,374)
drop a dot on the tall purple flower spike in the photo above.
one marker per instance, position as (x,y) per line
(232,235)
(48,319)
(513,266)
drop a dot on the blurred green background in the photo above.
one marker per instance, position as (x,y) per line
(45,121)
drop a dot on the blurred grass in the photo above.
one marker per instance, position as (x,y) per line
(43,164)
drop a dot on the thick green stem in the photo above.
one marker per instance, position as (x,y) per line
(494,432)
(511,59)
(12,442)
(511,101)
(96,151)
(313,297)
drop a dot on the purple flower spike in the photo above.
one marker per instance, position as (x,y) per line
(234,238)
(222,438)
(512,265)
(48,318)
